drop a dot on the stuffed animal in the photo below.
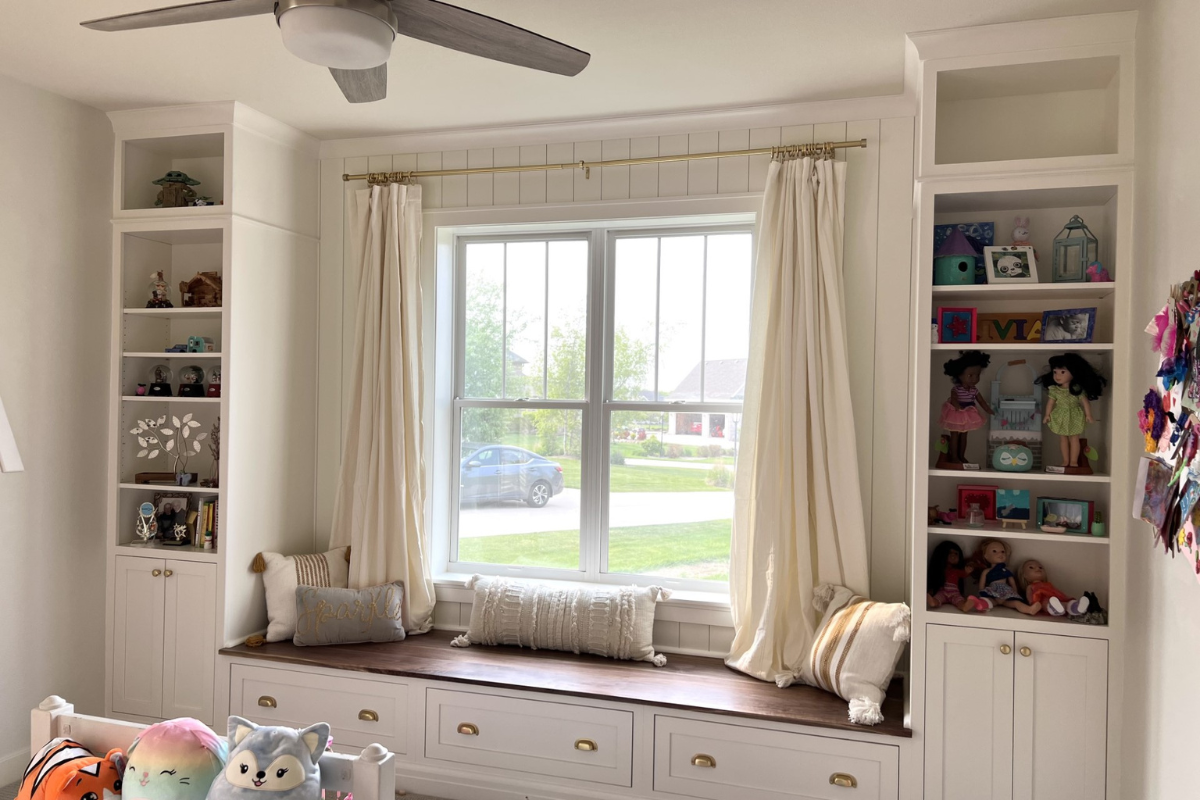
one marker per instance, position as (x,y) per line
(174,760)
(65,770)
(1020,234)
(271,762)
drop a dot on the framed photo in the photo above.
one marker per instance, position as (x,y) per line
(1010,264)
(985,496)
(1074,515)
(170,510)
(1013,505)
(956,325)
(1009,328)
(1069,325)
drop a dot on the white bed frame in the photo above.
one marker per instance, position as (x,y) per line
(370,775)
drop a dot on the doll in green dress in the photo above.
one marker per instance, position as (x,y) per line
(1072,384)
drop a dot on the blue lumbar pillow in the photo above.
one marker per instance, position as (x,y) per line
(271,763)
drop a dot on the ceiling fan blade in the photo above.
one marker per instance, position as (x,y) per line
(362,85)
(180,15)
(459,29)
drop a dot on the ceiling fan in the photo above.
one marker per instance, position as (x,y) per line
(353,38)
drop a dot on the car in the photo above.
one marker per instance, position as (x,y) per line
(503,472)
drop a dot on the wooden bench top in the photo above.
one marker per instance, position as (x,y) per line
(691,683)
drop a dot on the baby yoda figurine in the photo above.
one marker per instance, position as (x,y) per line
(176,190)
(271,763)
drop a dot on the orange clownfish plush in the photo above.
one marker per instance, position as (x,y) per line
(65,770)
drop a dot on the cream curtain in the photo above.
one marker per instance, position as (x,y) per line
(798,519)
(380,506)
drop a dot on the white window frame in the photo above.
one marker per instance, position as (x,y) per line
(596,407)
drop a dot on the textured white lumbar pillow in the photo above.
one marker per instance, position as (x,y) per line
(282,574)
(616,622)
(856,649)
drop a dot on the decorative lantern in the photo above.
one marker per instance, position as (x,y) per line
(954,261)
(1075,249)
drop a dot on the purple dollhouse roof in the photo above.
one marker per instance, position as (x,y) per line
(956,244)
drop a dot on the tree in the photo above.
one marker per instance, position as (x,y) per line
(483,363)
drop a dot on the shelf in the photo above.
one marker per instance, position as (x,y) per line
(1006,619)
(1025,347)
(976,475)
(159,550)
(170,355)
(173,313)
(996,530)
(1023,291)
(144,399)
(166,487)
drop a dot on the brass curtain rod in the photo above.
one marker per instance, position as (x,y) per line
(786,151)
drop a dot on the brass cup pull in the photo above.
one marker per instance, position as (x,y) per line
(701,760)
(1025,651)
(587,745)
(156,572)
(266,701)
(843,780)
(367,715)
(169,573)
(467,729)
(1005,649)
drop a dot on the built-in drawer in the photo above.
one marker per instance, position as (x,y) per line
(567,741)
(732,762)
(360,711)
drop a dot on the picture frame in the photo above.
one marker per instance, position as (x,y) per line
(985,496)
(1018,327)
(1010,264)
(1074,515)
(170,509)
(956,325)
(1068,325)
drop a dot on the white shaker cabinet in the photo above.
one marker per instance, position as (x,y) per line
(164,638)
(1014,716)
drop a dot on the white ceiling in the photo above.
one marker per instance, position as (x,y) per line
(648,56)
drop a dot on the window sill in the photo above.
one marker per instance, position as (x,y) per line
(702,608)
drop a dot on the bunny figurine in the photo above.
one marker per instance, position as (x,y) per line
(1020,234)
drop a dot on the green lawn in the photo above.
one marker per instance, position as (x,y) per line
(637,550)
(643,479)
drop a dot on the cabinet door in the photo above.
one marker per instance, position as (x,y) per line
(137,680)
(190,640)
(968,714)
(1060,718)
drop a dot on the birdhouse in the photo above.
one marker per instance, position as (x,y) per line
(176,191)
(954,262)
(1075,249)
(202,291)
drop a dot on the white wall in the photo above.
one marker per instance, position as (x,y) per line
(55,170)
(1162,706)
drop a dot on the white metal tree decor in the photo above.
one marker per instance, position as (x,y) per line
(176,443)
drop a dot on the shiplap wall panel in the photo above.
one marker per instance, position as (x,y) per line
(454,187)
(878,235)
(350,267)
(329,345)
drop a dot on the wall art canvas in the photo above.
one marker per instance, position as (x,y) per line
(1013,505)
(979,234)
(956,325)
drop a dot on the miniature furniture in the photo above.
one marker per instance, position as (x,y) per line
(1018,417)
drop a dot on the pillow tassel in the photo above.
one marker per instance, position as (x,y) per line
(822,597)
(865,712)
(461,641)
(902,620)
(659,660)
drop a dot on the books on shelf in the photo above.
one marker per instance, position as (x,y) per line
(207,520)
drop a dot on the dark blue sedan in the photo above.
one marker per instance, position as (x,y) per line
(500,472)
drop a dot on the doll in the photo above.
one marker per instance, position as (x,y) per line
(1072,383)
(997,585)
(961,413)
(1038,590)
(948,570)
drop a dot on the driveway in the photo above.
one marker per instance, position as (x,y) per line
(626,509)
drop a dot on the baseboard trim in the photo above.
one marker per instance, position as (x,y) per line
(12,766)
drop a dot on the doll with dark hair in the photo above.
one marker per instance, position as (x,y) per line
(961,413)
(1072,384)
(948,572)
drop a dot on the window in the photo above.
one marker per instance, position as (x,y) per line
(598,391)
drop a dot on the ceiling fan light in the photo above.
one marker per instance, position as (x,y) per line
(336,37)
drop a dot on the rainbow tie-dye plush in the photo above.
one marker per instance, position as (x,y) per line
(174,760)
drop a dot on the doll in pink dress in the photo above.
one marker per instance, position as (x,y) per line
(1037,589)
(964,411)
(948,572)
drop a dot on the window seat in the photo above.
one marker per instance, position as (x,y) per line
(689,683)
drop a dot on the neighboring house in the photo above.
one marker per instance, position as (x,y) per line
(724,380)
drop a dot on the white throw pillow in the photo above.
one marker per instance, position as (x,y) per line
(856,649)
(281,576)
(617,622)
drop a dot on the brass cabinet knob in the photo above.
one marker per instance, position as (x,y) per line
(266,701)
(586,745)
(1005,649)
(367,715)
(1025,651)
(156,572)
(169,573)
(843,780)
(701,760)
(467,729)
